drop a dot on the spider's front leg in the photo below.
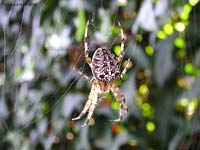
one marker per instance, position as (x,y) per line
(86,40)
(126,68)
(121,55)
(121,99)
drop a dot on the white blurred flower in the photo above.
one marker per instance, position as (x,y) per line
(146,17)
(57,43)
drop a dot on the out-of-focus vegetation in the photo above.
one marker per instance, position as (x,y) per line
(40,42)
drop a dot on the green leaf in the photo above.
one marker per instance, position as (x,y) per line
(80,28)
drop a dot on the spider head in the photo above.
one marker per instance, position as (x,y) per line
(104,65)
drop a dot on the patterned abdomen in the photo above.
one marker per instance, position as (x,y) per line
(104,65)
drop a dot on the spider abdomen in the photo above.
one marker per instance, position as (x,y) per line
(104,65)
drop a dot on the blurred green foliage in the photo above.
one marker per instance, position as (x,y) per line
(41,41)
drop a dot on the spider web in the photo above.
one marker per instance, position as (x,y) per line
(67,101)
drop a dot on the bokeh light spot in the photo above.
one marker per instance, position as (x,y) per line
(184,102)
(147,114)
(133,142)
(143,89)
(168,29)
(179,26)
(180,82)
(146,107)
(139,37)
(185,82)
(181,53)
(150,126)
(147,110)
(122,2)
(149,50)
(186,10)
(161,35)
(189,68)
(193,2)
(179,42)
(117,50)
(56,140)
(115,128)
(191,107)
(70,136)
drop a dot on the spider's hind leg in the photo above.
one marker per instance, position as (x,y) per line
(90,105)
(123,107)
(91,110)
(94,97)
(87,105)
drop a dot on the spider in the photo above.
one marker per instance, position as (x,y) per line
(105,69)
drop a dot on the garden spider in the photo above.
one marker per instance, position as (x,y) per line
(105,69)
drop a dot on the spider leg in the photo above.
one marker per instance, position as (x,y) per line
(91,110)
(125,69)
(121,99)
(84,76)
(122,44)
(87,105)
(86,38)
(94,97)
(90,104)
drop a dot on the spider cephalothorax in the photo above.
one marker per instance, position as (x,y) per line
(105,69)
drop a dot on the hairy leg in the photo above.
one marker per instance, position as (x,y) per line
(125,69)
(86,107)
(84,76)
(121,55)
(90,105)
(121,99)
(94,97)
(88,59)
